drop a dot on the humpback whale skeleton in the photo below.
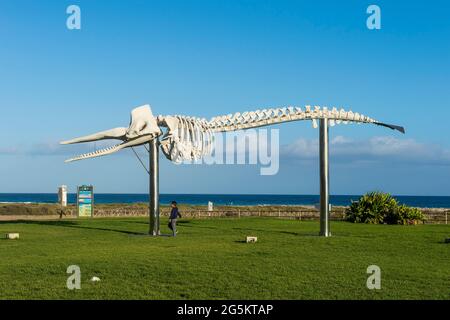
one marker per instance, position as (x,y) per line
(190,138)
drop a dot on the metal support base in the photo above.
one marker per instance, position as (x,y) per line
(324,180)
(154,187)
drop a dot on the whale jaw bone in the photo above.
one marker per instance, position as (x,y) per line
(142,129)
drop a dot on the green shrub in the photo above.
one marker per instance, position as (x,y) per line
(380,208)
(406,215)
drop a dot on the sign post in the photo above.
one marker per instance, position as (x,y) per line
(85,201)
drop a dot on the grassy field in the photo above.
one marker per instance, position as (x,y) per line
(209,260)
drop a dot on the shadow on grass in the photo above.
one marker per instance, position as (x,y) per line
(183,222)
(197,226)
(301,234)
(69,224)
(165,235)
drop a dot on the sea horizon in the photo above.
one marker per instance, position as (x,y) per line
(223,199)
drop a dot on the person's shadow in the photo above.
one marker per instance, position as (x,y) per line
(69,224)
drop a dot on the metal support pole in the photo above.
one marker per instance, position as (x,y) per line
(154,187)
(324,180)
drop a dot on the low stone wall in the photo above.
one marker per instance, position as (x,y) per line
(433,215)
(20,211)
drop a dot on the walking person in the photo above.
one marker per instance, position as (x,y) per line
(174,215)
(62,212)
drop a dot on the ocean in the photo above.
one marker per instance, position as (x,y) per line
(223,199)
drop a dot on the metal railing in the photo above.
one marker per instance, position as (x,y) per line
(438,217)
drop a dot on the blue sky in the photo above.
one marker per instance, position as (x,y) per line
(206,58)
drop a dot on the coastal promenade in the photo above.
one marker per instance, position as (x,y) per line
(20,211)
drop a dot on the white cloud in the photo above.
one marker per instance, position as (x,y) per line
(8,150)
(380,149)
(52,148)
(383,149)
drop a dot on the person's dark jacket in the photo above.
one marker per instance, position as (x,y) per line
(174,214)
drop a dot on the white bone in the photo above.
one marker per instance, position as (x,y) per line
(189,138)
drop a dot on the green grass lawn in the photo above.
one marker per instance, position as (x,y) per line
(209,260)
